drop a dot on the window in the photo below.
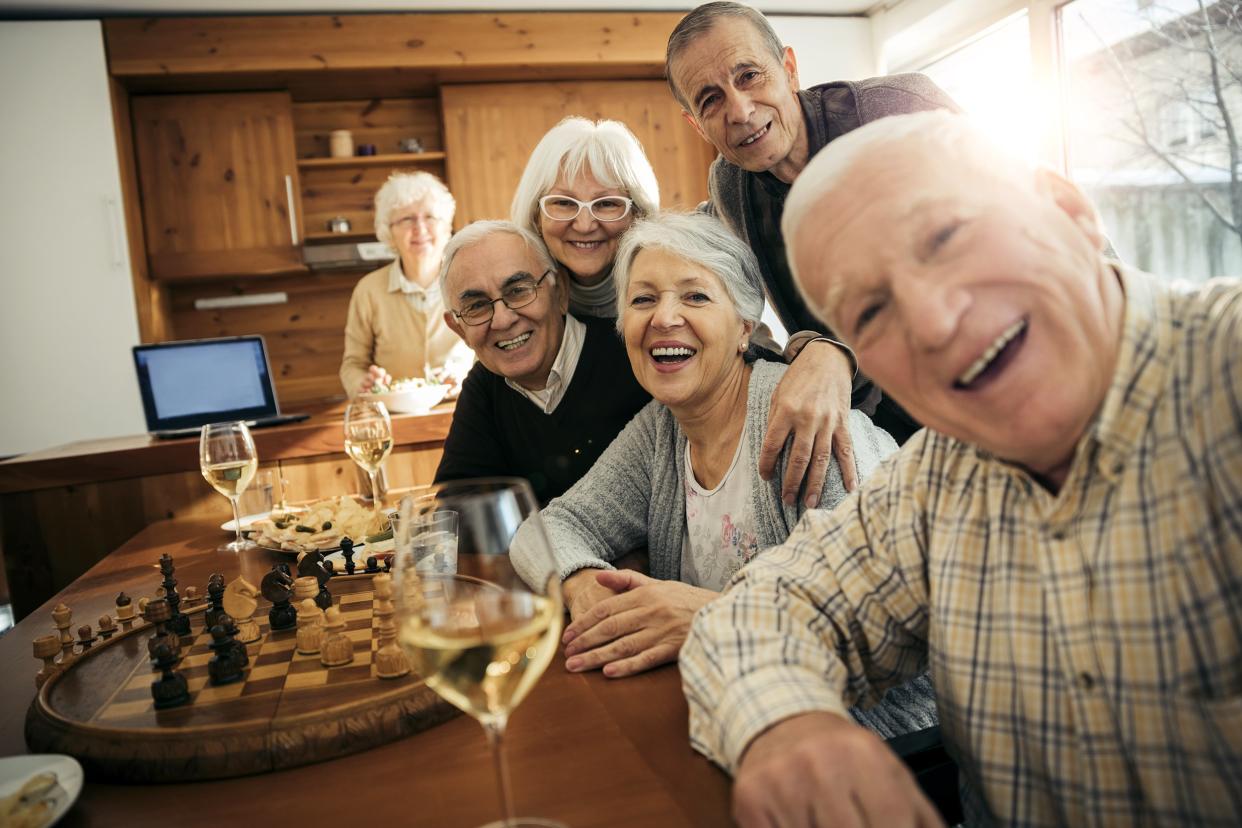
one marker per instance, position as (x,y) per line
(1141,117)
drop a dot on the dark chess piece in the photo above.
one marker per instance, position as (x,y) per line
(330,566)
(215,600)
(158,613)
(239,649)
(85,638)
(347,551)
(311,564)
(224,668)
(372,565)
(277,587)
(178,622)
(387,559)
(170,689)
(283,566)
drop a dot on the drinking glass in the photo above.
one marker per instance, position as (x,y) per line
(368,439)
(429,538)
(481,636)
(228,460)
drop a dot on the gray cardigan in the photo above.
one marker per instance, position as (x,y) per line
(634,495)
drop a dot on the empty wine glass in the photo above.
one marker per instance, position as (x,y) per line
(228,460)
(368,439)
(482,636)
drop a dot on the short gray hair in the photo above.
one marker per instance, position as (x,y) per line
(478,231)
(403,189)
(700,21)
(605,148)
(703,240)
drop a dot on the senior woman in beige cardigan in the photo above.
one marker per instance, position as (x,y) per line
(396,327)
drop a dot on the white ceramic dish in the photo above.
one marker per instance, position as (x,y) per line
(249,520)
(15,770)
(411,400)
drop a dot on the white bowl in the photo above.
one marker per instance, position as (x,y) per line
(412,400)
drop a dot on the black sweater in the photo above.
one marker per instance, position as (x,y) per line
(497,431)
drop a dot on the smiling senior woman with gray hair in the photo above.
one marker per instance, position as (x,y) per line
(682,479)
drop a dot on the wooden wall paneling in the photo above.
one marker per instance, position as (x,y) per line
(212,171)
(150,299)
(491,129)
(313,478)
(350,192)
(379,121)
(326,43)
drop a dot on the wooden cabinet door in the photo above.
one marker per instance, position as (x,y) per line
(219,179)
(490,130)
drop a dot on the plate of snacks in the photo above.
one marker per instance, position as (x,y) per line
(413,395)
(36,791)
(319,525)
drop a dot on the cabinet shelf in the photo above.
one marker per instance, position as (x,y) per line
(391,160)
(352,237)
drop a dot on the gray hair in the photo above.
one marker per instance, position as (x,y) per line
(478,231)
(703,240)
(700,21)
(607,149)
(403,189)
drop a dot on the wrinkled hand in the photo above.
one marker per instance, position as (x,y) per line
(812,402)
(820,769)
(375,376)
(642,626)
(583,591)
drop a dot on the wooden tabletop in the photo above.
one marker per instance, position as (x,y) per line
(140,455)
(582,749)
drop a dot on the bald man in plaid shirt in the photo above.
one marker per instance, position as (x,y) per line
(1062,545)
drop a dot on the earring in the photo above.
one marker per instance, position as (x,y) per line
(742,346)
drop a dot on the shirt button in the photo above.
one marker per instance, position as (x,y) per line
(1057,534)
(1085,681)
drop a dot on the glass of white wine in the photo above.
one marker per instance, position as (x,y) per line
(228,460)
(483,635)
(368,439)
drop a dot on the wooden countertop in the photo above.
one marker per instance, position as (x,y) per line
(582,749)
(141,455)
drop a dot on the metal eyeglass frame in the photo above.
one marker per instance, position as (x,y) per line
(491,304)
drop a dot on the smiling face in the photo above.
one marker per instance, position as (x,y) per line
(681,330)
(521,344)
(585,246)
(980,303)
(419,237)
(742,100)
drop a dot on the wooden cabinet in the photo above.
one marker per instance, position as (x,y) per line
(490,130)
(219,182)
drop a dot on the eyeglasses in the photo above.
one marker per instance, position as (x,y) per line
(567,208)
(409,221)
(516,295)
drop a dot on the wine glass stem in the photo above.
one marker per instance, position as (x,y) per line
(236,519)
(375,500)
(495,736)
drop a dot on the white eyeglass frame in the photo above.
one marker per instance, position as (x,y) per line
(589,205)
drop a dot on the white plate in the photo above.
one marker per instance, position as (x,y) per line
(246,522)
(15,770)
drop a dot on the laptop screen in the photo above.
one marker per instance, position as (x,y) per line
(188,384)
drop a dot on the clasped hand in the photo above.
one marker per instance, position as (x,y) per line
(626,622)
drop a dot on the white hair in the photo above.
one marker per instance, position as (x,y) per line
(478,231)
(703,240)
(403,189)
(607,149)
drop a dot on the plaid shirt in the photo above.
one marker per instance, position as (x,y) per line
(1086,647)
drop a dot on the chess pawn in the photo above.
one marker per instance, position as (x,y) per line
(107,627)
(390,661)
(61,617)
(170,689)
(191,596)
(125,611)
(85,638)
(215,600)
(337,649)
(239,649)
(157,612)
(47,647)
(310,625)
(224,668)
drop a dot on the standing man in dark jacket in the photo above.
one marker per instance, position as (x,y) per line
(738,86)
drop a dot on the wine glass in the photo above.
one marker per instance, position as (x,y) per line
(368,439)
(481,636)
(228,460)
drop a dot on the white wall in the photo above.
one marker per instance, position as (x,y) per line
(828,48)
(67,317)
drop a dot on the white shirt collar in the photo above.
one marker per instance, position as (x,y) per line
(563,367)
(398,282)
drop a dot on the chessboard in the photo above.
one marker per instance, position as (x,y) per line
(288,709)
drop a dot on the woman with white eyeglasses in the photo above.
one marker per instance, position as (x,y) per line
(584,185)
(395,327)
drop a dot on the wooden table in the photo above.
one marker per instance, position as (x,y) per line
(582,749)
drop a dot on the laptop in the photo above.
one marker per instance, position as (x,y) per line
(186,385)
